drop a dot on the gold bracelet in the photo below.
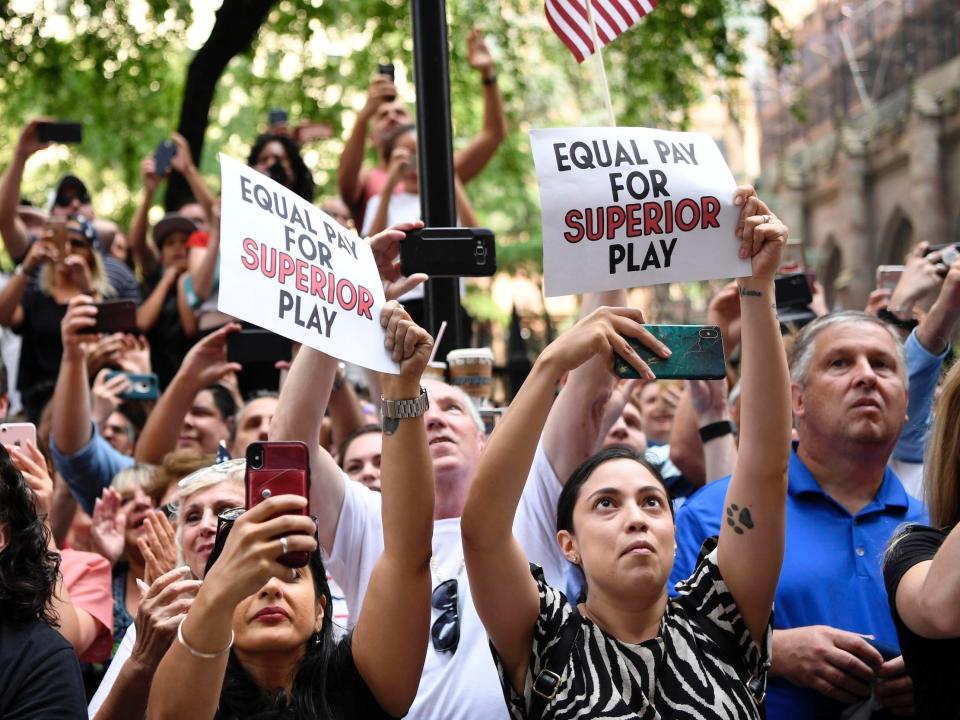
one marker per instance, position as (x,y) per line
(197,653)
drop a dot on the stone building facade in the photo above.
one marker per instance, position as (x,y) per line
(860,144)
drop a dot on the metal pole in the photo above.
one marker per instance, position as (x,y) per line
(435,156)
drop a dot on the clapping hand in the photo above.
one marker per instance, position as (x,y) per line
(158,545)
(108,526)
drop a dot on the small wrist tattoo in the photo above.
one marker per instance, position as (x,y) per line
(739,519)
(744,292)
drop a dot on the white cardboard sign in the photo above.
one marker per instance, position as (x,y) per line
(625,207)
(290,268)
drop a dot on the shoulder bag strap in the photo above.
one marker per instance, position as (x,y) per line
(547,682)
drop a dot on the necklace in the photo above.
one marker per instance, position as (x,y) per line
(436,571)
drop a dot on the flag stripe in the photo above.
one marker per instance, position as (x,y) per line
(602,17)
(570,21)
(579,25)
(565,33)
(622,14)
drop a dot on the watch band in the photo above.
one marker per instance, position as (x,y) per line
(393,411)
(715,430)
(491,80)
(888,317)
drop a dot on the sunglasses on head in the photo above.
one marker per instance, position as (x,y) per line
(64,199)
(445,632)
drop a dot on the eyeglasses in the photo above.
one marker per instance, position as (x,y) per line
(445,633)
(65,199)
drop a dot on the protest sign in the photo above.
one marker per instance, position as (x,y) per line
(624,207)
(292,269)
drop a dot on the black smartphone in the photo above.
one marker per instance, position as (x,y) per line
(792,290)
(60,132)
(697,354)
(277,116)
(386,69)
(254,345)
(163,155)
(449,252)
(115,316)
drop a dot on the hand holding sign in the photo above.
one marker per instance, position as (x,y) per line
(762,236)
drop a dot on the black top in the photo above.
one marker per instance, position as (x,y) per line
(39,674)
(934,665)
(41,349)
(682,673)
(347,695)
(168,342)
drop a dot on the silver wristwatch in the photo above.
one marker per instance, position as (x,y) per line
(393,411)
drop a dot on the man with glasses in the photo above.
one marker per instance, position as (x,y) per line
(70,197)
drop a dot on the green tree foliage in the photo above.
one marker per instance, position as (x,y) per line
(119,67)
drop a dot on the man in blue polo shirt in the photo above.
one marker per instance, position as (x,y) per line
(843,505)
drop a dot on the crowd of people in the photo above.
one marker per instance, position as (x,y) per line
(781,543)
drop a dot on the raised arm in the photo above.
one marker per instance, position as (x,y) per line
(349,171)
(71,422)
(390,639)
(145,254)
(204,365)
(202,262)
(473,158)
(183,163)
(751,540)
(12,229)
(299,414)
(503,589)
(576,425)
(399,163)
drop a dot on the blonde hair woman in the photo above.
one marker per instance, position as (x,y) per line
(34,310)
(922,569)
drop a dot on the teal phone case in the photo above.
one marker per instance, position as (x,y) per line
(697,354)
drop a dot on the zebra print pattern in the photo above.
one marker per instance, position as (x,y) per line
(678,675)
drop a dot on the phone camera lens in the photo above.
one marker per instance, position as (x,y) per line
(256,460)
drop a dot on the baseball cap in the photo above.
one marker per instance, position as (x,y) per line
(170,223)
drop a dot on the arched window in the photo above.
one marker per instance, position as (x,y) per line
(898,239)
(830,269)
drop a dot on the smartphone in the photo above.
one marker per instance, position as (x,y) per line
(697,354)
(254,345)
(17,434)
(278,468)
(57,225)
(792,290)
(888,276)
(950,255)
(277,116)
(163,155)
(115,316)
(793,255)
(60,132)
(387,69)
(142,387)
(449,252)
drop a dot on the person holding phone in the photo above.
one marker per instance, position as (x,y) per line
(275,650)
(707,651)
(67,266)
(384,111)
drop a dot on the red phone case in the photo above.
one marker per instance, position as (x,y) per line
(284,469)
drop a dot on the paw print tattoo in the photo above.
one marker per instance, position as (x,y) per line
(739,519)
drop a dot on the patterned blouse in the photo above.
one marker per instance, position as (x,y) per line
(682,673)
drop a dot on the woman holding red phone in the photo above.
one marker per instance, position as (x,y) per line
(64,263)
(275,652)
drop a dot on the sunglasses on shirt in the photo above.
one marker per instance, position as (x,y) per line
(445,632)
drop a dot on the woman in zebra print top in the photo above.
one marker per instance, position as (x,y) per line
(636,653)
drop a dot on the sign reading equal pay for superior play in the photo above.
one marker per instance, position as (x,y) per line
(625,207)
(290,268)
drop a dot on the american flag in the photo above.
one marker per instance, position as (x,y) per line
(571,22)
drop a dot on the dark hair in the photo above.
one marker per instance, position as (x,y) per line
(571,491)
(28,568)
(391,139)
(4,386)
(302,180)
(223,399)
(241,697)
(362,430)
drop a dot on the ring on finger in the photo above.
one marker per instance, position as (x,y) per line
(284,545)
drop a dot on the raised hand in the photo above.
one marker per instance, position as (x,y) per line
(31,463)
(408,343)
(106,394)
(478,55)
(80,314)
(164,604)
(761,234)
(43,251)
(206,363)
(604,332)
(381,90)
(30,141)
(182,161)
(79,273)
(386,252)
(148,174)
(158,545)
(108,526)
(135,355)
(249,557)
(709,399)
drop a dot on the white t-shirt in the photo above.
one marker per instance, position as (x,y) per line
(462,685)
